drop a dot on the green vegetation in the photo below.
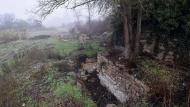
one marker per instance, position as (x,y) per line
(34,79)
(159,29)
(68,91)
(91,49)
(157,70)
(64,90)
(8,50)
(162,80)
(64,47)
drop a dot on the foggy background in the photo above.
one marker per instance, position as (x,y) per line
(23,9)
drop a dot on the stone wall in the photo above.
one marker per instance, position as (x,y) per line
(122,85)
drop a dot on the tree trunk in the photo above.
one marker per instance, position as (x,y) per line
(128,34)
(132,40)
(138,33)
(156,45)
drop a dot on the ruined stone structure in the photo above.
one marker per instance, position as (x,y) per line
(121,84)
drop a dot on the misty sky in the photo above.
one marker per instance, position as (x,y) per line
(21,9)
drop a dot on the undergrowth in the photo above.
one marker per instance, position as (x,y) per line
(164,83)
(33,80)
(65,48)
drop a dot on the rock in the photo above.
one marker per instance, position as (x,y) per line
(91,60)
(83,75)
(23,105)
(83,38)
(170,58)
(89,65)
(147,49)
(111,105)
(72,74)
(160,56)
(125,87)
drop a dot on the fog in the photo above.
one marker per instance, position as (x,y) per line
(23,9)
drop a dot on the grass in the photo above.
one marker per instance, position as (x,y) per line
(159,71)
(41,86)
(65,91)
(64,47)
(67,47)
(163,82)
(46,82)
(91,49)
